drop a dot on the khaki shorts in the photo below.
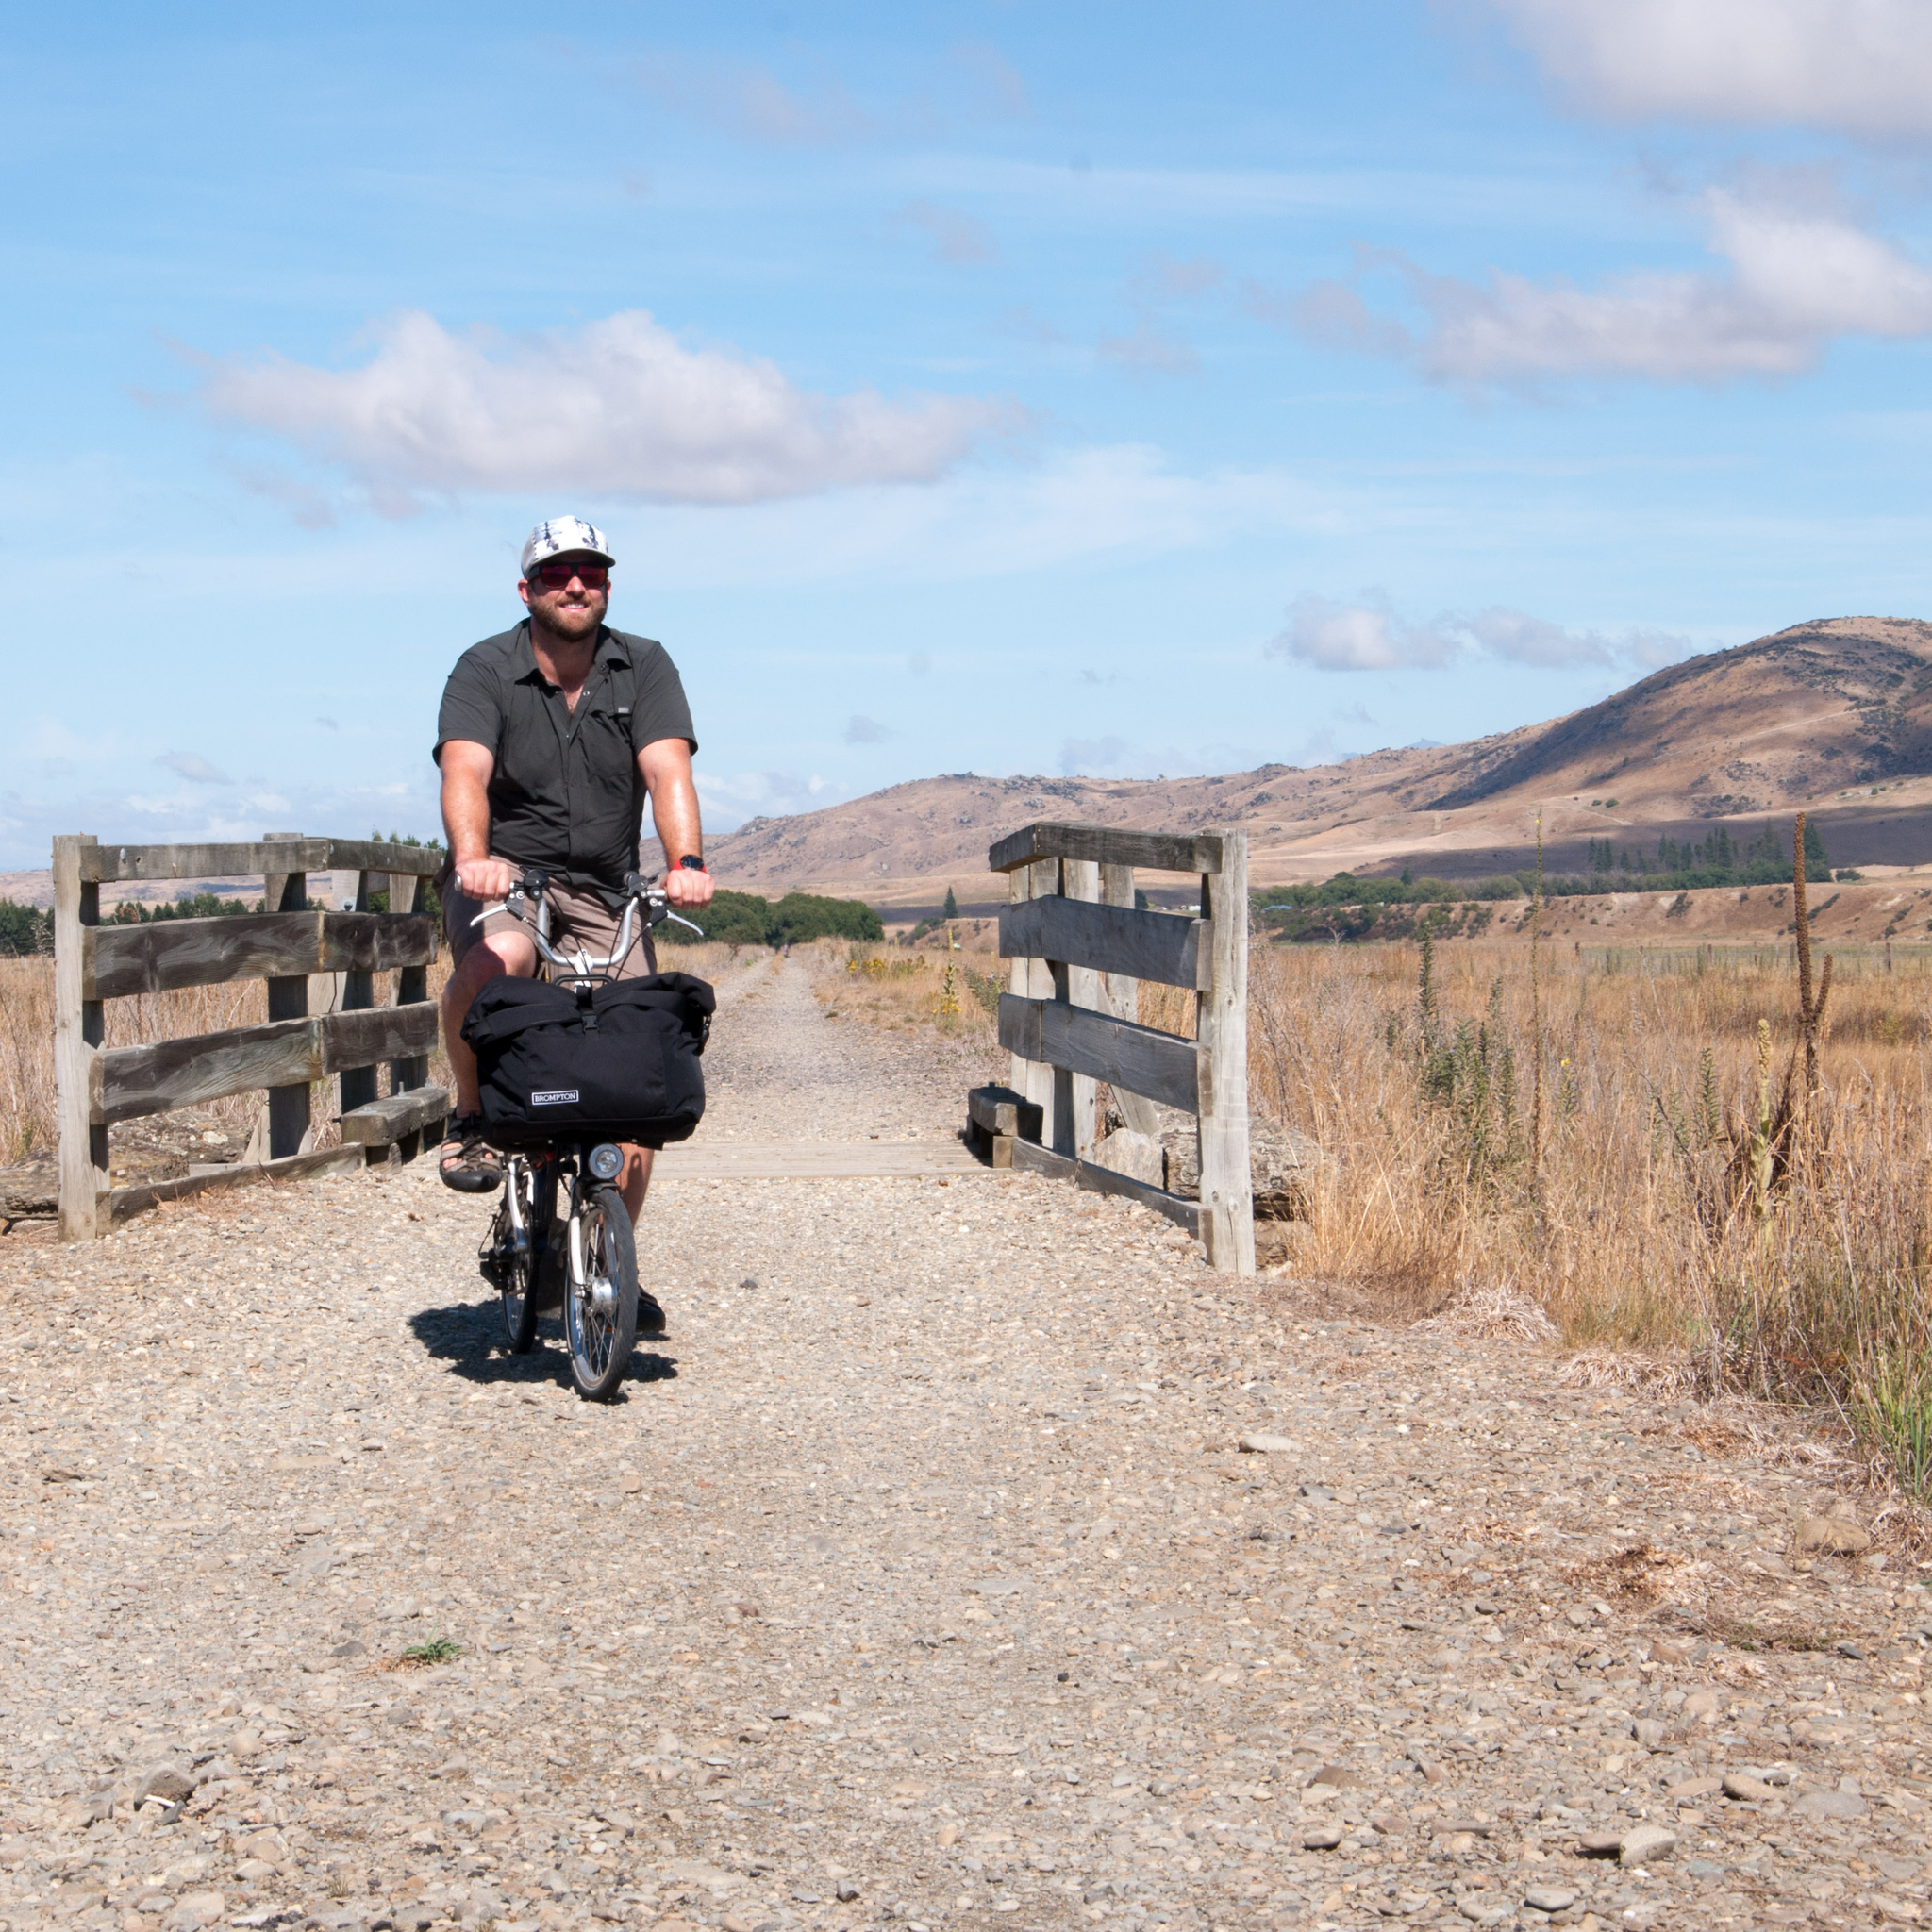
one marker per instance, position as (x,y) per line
(576,918)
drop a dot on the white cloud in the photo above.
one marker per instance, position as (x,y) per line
(1797,278)
(731,798)
(1524,640)
(1520,639)
(1357,636)
(1856,66)
(620,407)
(237,812)
(1369,636)
(194,766)
(956,238)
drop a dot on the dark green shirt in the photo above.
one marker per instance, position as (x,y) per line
(566,792)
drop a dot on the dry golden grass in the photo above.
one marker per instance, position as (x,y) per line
(1640,1228)
(26,1057)
(906,988)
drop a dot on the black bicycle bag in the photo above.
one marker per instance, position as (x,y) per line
(611,1061)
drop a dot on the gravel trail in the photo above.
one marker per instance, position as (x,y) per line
(917,1576)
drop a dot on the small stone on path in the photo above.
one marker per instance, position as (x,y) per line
(1837,1536)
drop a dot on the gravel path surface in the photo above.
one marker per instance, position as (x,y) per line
(918,1576)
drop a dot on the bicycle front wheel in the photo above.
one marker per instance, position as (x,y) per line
(601,1308)
(528,1198)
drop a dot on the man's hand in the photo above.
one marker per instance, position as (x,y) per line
(487,878)
(687,890)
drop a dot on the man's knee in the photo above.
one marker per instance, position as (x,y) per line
(495,955)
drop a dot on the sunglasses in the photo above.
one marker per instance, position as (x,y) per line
(557,576)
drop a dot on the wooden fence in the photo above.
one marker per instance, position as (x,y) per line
(284,943)
(1079,948)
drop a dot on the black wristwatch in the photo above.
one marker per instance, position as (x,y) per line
(690,862)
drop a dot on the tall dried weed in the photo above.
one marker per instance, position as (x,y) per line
(1687,1202)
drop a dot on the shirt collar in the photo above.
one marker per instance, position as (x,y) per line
(612,649)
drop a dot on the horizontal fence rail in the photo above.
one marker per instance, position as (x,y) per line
(284,945)
(1198,852)
(167,954)
(1161,946)
(1079,948)
(1121,1052)
(135,1081)
(106,865)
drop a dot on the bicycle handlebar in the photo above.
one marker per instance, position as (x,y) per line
(639,889)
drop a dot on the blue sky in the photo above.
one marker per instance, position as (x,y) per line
(1111,390)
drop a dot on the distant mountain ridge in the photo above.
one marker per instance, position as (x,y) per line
(1806,717)
(1832,715)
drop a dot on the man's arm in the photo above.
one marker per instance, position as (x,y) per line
(666,768)
(466,769)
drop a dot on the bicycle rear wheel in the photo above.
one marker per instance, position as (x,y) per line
(600,1314)
(529,1195)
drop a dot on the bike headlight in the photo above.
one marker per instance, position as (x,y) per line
(607,1162)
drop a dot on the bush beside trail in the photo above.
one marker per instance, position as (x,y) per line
(745,919)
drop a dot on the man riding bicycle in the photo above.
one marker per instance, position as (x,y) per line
(549,739)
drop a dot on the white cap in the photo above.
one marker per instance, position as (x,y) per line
(565,537)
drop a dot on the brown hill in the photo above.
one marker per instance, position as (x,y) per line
(1834,716)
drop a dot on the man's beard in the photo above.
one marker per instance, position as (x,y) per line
(576,626)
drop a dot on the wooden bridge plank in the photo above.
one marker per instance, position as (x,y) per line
(704,1159)
(172,953)
(1103,1180)
(1141,1059)
(1107,845)
(377,1123)
(1109,938)
(104,864)
(124,1202)
(133,1081)
(378,854)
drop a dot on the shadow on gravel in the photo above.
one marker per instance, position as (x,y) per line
(468,1335)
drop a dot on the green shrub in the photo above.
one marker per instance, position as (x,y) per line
(745,919)
(24,930)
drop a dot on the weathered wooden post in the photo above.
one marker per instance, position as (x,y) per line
(78,1031)
(1032,979)
(1120,994)
(1221,1050)
(407,890)
(288,999)
(359,994)
(1076,1129)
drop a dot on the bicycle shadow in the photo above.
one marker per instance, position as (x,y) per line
(467,1339)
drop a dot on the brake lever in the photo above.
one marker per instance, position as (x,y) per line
(512,904)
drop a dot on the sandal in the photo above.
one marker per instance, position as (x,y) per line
(467,1162)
